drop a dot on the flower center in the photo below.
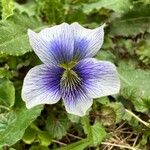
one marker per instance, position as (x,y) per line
(68,65)
(70,81)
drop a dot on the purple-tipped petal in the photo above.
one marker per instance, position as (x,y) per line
(42,86)
(53,45)
(100,78)
(77,102)
(87,41)
(75,99)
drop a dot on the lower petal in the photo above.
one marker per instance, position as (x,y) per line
(100,78)
(41,86)
(77,102)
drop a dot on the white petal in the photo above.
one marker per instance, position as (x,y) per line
(100,78)
(53,45)
(77,103)
(41,86)
(87,41)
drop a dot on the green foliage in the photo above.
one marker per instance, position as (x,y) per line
(28,7)
(138,78)
(126,44)
(135,88)
(7,8)
(57,128)
(134,22)
(13,34)
(119,6)
(143,51)
(80,145)
(51,11)
(99,133)
(7,94)
(29,135)
(14,123)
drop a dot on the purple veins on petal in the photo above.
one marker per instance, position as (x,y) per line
(87,41)
(53,45)
(100,78)
(42,85)
(68,71)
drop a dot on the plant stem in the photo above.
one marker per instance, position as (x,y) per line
(140,120)
(4,107)
(87,127)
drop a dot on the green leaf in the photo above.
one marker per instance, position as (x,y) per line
(7,94)
(135,87)
(131,120)
(73,118)
(142,105)
(118,109)
(5,72)
(136,78)
(99,133)
(40,147)
(45,138)
(119,6)
(108,116)
(95,133)
(14,123)
(29,136)
(28,7)
(134,22)
(7,8)
(13,34)
(57,127)
(80,145)
(106,55)
(143,51)
(52,10)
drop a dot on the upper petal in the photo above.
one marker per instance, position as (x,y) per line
(41,85)
(87,41)
(53,45)
(100,78)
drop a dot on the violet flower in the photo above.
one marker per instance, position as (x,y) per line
(69,72)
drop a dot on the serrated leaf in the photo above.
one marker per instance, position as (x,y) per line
(15,122)
(95,133)
(108,116)
(131,120)
(132,23)
(7,8)
(118,109)
(135,87)
(99,133)
(119,6)
(143,51)
(13,33)
(52,10)
(7,94)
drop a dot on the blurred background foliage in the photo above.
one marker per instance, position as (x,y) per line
(116,122)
